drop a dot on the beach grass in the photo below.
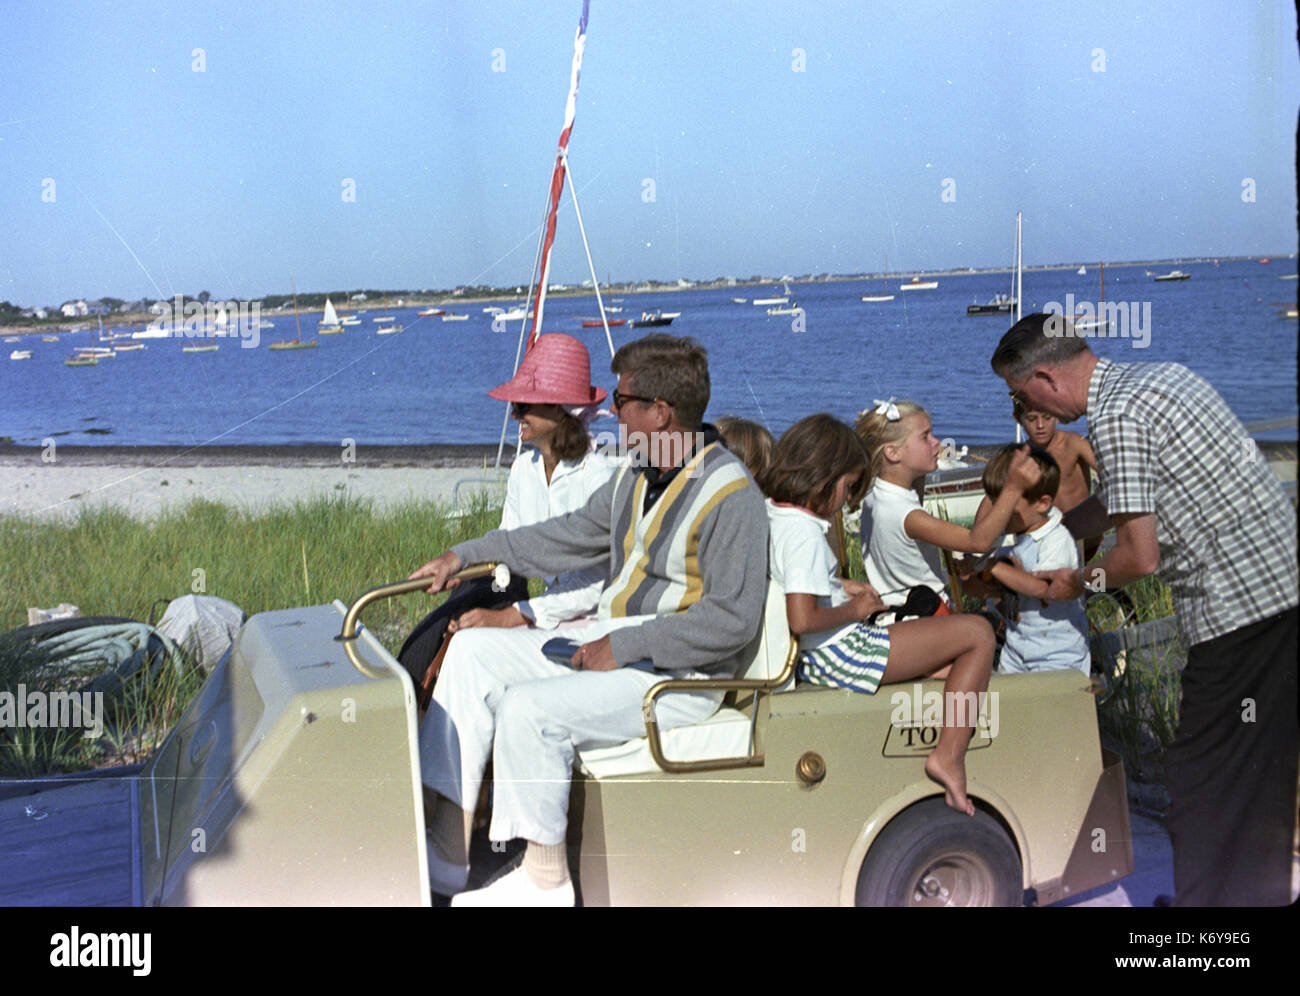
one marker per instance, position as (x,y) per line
(307,552)
(110,564)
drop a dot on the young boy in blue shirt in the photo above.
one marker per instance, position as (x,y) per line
(1041,635)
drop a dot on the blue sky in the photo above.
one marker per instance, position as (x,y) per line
(780,138)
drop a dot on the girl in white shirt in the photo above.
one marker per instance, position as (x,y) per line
(900,540)
(818,466)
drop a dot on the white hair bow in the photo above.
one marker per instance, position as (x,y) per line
(886,408)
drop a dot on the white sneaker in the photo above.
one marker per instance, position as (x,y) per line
(446,878)
(516,889)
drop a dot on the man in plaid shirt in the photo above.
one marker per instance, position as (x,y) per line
(1192,502)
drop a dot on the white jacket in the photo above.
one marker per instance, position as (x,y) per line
(529,500)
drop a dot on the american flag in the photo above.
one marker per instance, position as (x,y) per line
(557,176)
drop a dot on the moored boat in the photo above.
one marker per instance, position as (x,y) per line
(916,283)
(329,323)
(389,329)
(453,317)
(20,354)
(200,349)
(1173,275)
(1000,305)
(288,344)
(649,319)
(596,324)
(430,313)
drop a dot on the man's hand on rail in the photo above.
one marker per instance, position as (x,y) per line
(439,570)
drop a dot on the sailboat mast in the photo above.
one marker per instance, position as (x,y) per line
(296,325)
(1019,263)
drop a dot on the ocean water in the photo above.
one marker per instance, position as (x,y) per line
(429,383)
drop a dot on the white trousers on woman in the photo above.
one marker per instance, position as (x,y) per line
(498,696)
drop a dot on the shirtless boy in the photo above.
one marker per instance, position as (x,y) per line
(1072,453)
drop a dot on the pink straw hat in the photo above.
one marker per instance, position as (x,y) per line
(556,371)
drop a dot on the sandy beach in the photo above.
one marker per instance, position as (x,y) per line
(145,481)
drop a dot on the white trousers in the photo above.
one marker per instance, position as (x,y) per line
(498,696)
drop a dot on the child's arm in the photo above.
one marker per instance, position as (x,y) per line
(1018,579)
(804,615)
(988,529)
(1085,451)
(980,538)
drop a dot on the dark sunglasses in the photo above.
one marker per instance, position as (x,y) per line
(519,408)
(621,399)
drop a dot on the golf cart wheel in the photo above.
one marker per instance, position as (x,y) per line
(933,855)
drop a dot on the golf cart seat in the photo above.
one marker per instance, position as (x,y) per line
(725,739)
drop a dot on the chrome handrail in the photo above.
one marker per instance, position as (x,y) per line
(758,685)
(349,631)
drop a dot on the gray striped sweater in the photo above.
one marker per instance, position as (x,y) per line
(696,562)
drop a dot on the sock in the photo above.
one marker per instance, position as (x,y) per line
(449,831)
(547,865)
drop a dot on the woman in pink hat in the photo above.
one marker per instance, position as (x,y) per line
(553,399)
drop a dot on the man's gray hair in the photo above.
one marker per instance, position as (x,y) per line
(1035,340)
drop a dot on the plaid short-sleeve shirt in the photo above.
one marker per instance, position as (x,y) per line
(1168,444)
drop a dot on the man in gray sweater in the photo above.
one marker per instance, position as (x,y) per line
(683,530)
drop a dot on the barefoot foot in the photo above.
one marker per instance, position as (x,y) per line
(953,780)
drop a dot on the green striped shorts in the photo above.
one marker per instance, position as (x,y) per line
(857,661)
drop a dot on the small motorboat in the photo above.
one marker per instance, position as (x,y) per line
(389,329)
(916,283)
(21,354)
(596,324)
(1173,275)
(650,319)
(1000,305)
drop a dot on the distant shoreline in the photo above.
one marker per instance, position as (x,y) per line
(451,300)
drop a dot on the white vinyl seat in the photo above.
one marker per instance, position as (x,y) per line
(725,739)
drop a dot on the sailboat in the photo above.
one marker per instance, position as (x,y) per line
(329,323)
(1094,323)
(885,296)
(293,343)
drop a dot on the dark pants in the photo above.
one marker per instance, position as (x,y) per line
(426,639)
(1232,768)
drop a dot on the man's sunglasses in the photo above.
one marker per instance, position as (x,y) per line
(620,399)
